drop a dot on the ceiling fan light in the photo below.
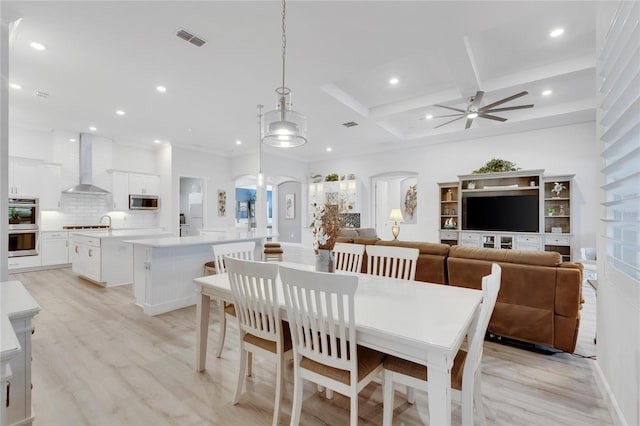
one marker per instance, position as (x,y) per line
(472,115)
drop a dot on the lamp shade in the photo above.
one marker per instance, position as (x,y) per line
(396,215)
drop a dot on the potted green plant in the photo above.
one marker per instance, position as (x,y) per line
(497,165)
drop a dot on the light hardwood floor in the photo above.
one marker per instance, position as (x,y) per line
(97,359)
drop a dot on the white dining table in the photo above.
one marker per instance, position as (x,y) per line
(413,320)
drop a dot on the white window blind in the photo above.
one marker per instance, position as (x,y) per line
(619,119)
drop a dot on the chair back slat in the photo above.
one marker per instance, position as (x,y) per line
(490,289)
(320,310)
(348,257)
(253,287)
(241,250)
(392,262)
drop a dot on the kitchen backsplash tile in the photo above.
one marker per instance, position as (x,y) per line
(87,210)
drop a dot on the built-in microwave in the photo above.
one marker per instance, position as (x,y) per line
(144,202)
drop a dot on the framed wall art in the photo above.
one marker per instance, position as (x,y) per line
(290,206)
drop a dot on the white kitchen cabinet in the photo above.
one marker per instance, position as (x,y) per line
(24,177)
(120,192)
(50,187)
(19,307)
(54,248)
(104,258)
(86,257)
(142,184)
(125,183)
(24,262)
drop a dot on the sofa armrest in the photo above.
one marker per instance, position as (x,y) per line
(569,290)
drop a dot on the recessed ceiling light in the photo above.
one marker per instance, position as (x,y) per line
(547,92)
(15,86)
(92,128)
(37,46)
(329,149)
(189,129)
(161,89)
(428,116)
(120,112)
(557,32)
(72,140)
(156,141)
(238,142)
(394,80)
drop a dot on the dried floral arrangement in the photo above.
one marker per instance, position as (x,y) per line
(326,225)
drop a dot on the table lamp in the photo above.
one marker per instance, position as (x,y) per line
(395,216)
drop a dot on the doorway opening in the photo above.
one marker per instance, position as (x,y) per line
(394,190)
(192,205)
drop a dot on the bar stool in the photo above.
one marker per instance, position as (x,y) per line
(210,268)
(272,251)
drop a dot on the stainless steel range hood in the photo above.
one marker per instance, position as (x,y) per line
(85,187)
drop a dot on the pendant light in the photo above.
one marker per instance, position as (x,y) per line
(284,127)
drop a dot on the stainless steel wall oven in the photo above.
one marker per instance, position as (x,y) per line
(23,219)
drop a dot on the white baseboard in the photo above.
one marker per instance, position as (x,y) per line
(609,397)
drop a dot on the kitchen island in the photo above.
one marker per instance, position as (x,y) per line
(164,268)
(103,258)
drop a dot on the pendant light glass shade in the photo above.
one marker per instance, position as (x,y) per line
(284,127)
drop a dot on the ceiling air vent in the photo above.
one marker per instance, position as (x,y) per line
(191,38)
(350,124)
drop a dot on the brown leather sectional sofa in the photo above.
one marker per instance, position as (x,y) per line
(540,296)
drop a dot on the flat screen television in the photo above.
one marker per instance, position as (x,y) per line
(515,213)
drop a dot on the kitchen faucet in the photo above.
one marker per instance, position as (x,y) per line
(108,217)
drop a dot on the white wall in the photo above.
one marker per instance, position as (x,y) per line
(216,171)
(618,302)
(559,150)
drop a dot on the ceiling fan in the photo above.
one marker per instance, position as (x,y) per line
(474,109)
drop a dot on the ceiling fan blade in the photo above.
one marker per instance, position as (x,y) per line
(476,100)
(501,101)
(449,115)
(491,117)
(469,121)
(455,119)
(508,108)
(451,108)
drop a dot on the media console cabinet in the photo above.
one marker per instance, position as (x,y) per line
(522,210)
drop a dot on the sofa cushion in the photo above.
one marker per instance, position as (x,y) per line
(348,233)
(432,260)
(425,248)
(365,241)
(367,233)
(525,257)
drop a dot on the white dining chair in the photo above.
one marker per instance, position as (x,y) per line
(466,373)
(348,257)
(392,261)
(240,250)
(255,296)
(321,314)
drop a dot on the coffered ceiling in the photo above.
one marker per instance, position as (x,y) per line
(105,56)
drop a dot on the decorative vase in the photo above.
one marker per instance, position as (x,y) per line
(324,260)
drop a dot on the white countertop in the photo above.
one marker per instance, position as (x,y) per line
(212,237)
(120,233)
(16,302)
